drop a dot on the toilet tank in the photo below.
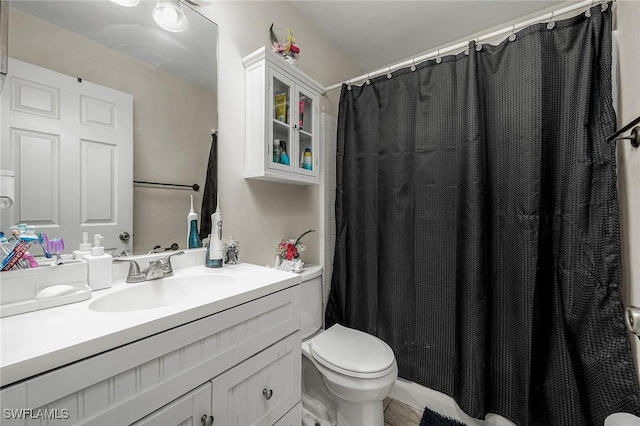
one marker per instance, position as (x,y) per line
(311,300)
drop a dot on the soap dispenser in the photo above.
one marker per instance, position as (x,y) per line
(99,265)
(84,247)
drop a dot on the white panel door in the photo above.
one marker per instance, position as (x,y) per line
(70,143)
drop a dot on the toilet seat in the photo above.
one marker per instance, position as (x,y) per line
(352,352)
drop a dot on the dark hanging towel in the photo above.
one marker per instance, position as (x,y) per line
(210,189)
(477,225)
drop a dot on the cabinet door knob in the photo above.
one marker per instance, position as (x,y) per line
(206,420)
(124,236)
(267,394)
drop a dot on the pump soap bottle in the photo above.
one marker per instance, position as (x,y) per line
(215,241)
(84,248)
(98,265)
(193,239)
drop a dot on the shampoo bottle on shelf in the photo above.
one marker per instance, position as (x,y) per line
(307,159)
(216,254)
(284,157)
(193,239)
(276,150)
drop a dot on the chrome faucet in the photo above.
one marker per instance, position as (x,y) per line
(159,268)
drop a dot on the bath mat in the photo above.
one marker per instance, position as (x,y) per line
(431,418)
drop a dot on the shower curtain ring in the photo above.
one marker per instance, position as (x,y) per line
(551,24)
(368,82)
(512,36)
(389,75)
(413,64)
(438,58)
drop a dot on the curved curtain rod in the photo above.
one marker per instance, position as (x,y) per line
(465,44)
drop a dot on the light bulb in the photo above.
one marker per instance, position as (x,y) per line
(169,15)
(126,3)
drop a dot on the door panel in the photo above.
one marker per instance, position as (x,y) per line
(70,143)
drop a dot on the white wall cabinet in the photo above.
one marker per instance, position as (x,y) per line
(282,121)
(239,366)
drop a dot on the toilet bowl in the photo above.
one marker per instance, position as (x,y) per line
(346,373)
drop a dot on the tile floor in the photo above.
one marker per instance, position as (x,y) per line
(397,413)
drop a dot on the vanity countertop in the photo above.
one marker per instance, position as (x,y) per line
(35,342)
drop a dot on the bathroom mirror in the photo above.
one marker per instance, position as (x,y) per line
(171,77)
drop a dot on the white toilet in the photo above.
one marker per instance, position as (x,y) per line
(345,373)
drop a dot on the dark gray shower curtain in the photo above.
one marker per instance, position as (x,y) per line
(477,226)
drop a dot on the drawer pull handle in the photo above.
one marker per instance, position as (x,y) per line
(267,394)
(206,420)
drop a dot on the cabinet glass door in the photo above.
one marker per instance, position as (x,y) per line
(281,123)
(306,147)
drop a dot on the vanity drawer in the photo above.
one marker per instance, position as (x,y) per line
(262,389)
(125,384)
(193,408)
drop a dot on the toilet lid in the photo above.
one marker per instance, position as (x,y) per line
(352,350)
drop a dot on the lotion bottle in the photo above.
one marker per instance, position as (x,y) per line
(98,265)
(84,247)
(215,241)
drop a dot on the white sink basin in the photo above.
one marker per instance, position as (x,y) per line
(163,292)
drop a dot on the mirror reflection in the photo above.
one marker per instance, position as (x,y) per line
(102,96)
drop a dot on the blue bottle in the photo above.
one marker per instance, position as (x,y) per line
(284,157)
(193,239)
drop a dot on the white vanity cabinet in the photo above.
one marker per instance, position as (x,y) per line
(282,121)
(240,366)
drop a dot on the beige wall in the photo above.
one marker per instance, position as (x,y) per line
(171,143)
(260,214)
(628,12)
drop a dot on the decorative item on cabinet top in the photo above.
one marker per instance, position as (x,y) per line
(289,50)
(282,138)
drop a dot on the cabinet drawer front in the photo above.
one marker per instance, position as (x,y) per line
(186,410)
(262,389)
(125,384)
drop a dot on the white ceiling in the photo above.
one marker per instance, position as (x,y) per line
(379,33)
(191,54)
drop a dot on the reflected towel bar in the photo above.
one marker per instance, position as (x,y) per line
(634,137)
(195,186)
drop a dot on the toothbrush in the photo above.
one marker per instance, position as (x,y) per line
(43,240)
(15,256)
(56,246)
(31,261)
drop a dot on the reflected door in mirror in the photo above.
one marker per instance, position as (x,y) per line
(70,143)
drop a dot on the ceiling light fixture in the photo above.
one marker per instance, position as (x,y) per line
(170,16)
(126,3)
